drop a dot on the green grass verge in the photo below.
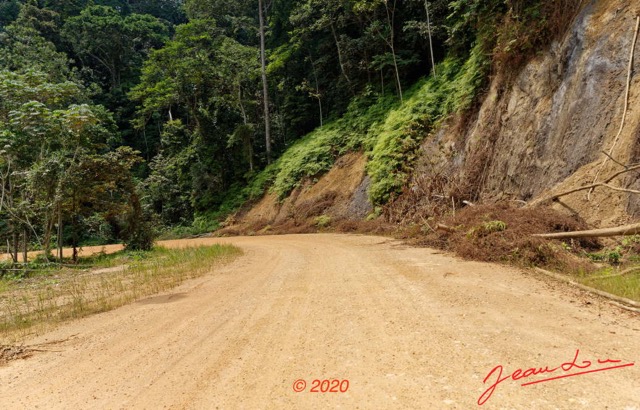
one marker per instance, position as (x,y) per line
(610,280)
(49,296)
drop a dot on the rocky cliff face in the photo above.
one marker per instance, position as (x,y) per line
(544,131)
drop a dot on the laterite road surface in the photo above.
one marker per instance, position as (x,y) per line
(407,328)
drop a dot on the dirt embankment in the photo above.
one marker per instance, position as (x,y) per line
(339,195)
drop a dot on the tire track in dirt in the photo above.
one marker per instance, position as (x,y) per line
(408,327)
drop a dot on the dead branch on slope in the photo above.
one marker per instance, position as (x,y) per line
(605,183)
(632,229)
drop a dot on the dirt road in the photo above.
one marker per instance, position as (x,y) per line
(407,327)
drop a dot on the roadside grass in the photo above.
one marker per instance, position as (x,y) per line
(33,303)
(619,281)
(619,268)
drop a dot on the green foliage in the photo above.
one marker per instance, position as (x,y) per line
(404,128)
(322,221)
(168,187)
(240,194)
(9,10)
(141,237)
(98,231)
(59,160)
(612,256)
(513,30)
(627,286)
(388,131)
(23,48)
(112,44)
(80,78)
(316,152)
(486,228)
(138,232)
(630,241)
(207,77)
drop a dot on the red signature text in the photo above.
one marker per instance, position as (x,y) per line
(570,369)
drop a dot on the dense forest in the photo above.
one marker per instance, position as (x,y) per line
(120,119)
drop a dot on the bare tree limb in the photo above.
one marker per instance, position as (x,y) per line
(433,61)
(443,227)
(613,159)
(605,183)
(632,229)
(265,87)
(615,188)
(632,167)
(621,306)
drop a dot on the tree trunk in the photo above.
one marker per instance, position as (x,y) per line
(632,229)
(265,91)
(248,146)
(340,60)
(60,234)
(395,67)
(433,61)
(48,229)
(15,246)
(390,18)
(25,245)
(74,229)
(315,78)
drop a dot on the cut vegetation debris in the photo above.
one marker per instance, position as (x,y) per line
(503,233)
(507,234)
(31,304)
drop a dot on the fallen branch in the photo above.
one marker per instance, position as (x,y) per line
(625,307)
(442,227)
(604,183)
(424,221)
(632,229)
(613,159)
(617,188)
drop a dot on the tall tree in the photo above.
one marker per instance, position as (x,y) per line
(265,85)
(111,44)
(50,131)
(199,89)
(385,29)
